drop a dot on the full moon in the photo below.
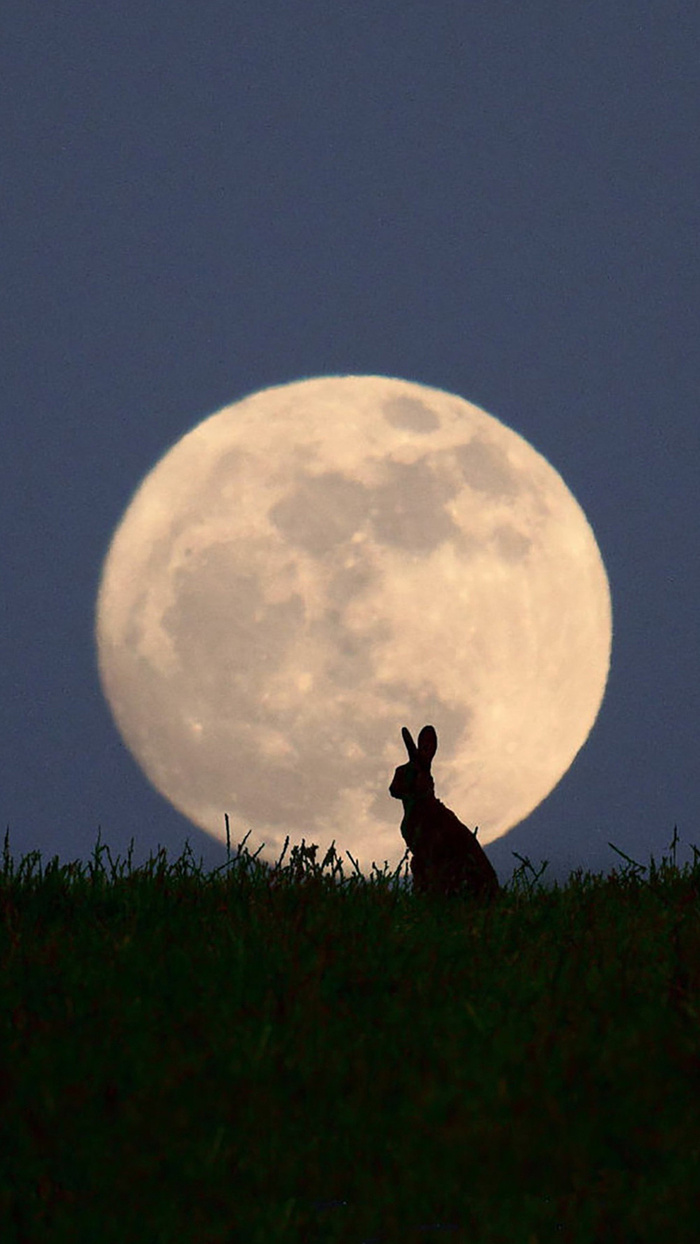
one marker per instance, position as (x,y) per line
(316,566)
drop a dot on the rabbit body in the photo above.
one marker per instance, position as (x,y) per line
(445,855)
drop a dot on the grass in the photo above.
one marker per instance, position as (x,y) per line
(286,1054)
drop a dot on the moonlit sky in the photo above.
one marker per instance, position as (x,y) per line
(204,200)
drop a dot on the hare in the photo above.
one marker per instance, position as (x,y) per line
(445,854)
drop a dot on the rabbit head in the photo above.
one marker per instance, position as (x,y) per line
(415,779)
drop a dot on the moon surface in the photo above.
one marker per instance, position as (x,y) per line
(316,566)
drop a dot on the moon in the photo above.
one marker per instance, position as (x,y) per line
(323,562)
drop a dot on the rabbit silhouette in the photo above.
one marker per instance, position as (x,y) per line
(445,855)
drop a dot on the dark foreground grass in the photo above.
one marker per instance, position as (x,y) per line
(290,1055)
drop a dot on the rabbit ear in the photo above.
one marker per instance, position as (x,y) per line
(427,741)
(410,745)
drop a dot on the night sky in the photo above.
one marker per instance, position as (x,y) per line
(203,200)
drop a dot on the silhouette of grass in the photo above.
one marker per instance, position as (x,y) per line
(284,1054)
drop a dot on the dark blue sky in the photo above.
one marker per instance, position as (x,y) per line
(202,200)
